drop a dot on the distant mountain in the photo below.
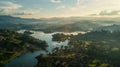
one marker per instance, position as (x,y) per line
(83,25)
(16,23)
(56,24)
(17,20)
(113,27)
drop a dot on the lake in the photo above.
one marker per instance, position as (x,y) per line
(28,59)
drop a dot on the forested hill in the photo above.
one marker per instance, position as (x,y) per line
(13,44)
(93,49)
(98,36)
(59,24)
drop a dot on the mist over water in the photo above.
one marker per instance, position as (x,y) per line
(28,59)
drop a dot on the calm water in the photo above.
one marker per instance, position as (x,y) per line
(28,59)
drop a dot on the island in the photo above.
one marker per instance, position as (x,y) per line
(28,32)
(60,37)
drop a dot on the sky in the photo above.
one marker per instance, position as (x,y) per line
(60,8)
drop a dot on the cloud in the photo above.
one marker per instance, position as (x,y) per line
(26,12)
(108,13)
(78,2)
(61,7)
(22,13)
(55,1)
(92,14)
(10,8)
(7,7)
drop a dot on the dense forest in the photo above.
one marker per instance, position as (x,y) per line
(93,49)
(13,44)
(60,37)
